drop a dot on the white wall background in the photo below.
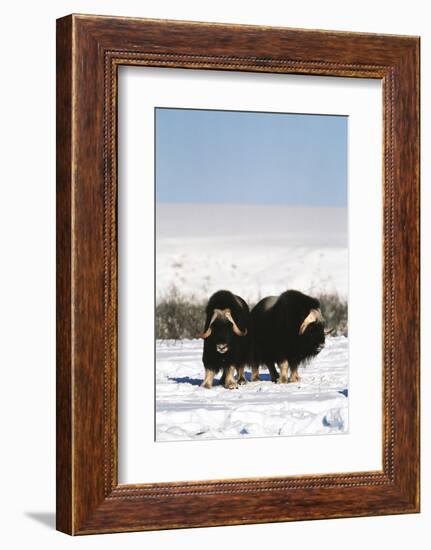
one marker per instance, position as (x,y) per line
(27,245)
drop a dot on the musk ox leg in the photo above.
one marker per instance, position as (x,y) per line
(255,373)
(273,372)
(284,368)
(208,380)
(230,382)
(223,378)
(294,376)
(241,378)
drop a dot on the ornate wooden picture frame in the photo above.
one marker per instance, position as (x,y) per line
(89,51)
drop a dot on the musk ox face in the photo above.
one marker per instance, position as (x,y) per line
(221,335)
(313,339)
(312,331)
(315,316)
(221,330)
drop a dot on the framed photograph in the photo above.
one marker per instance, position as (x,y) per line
(237,274)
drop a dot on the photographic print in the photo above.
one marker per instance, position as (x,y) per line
(237,233)
(251,315)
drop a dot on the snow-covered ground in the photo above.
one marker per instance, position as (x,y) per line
(252,250)
(318,404)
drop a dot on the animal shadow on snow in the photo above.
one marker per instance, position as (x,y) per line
(188,380)
(264,377)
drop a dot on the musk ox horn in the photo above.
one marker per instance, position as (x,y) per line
(314,316)
(216,313)
(329,331)
(228,315)
(236,329)
(205,334)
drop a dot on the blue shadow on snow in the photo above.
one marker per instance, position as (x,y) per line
(264,377)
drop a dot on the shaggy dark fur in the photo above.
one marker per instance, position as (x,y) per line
(277,338)
(222,334)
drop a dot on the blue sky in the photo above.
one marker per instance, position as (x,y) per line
(239,157)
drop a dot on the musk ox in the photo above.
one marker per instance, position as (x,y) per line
(226,339)
(288,329)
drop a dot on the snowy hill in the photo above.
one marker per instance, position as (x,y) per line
(250,249)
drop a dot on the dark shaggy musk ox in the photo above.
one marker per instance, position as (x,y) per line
(288,329)
(226,339)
